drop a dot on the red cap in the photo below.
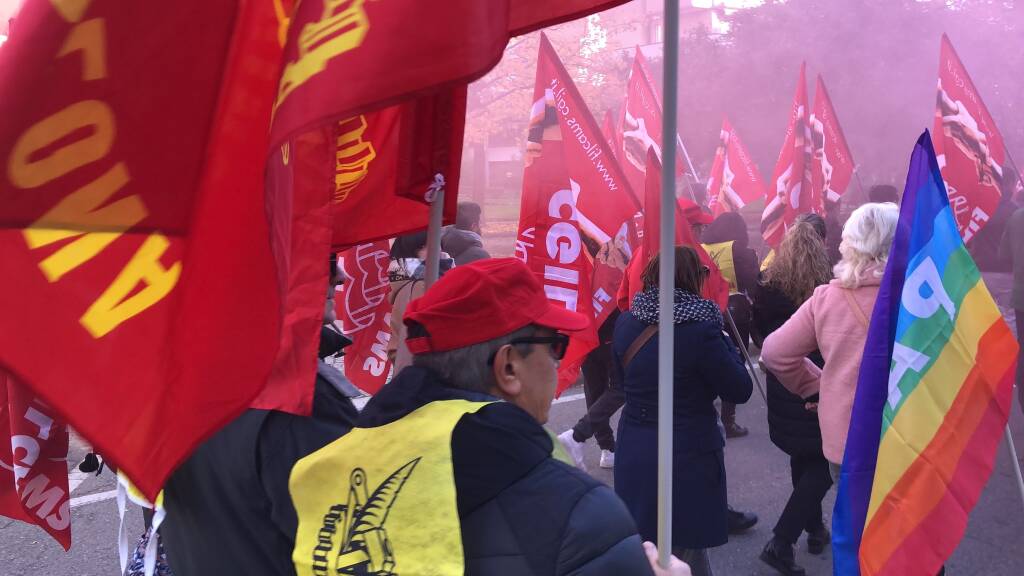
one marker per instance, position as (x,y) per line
(693,213)
(482,301)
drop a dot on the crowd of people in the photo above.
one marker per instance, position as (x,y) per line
(475,370)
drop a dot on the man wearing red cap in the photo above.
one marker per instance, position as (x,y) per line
(463,469)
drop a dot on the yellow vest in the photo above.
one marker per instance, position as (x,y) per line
(381,500)
(721,253)
(768,260)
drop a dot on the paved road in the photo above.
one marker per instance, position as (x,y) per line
(758,481)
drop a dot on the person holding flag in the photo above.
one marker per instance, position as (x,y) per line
(932,398)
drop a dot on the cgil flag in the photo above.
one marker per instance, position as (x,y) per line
(791,177)
(832,163)
(575,207)
(932,399)
(734,180)
(970,149)
(640,127)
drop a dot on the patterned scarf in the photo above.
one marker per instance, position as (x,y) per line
(688,308)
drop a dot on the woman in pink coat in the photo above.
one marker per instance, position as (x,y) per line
(835,321)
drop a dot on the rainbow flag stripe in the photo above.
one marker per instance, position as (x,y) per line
(933,395)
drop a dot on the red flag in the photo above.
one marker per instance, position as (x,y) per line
(33,463)
(365,314)
(791,178)
(611,133)
(652,208)
(296,173)
(735,180)
(575,206)
(130,266)
(640,125)
(386,163)
(831,161)
(968,145)
(715,287)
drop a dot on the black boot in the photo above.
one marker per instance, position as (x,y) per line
(817,539)
(740,521)
(779,555)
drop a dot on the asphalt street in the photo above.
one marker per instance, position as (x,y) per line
(758,477)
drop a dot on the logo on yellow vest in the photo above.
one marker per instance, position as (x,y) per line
(364,548)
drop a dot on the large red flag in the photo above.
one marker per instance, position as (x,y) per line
(640,125)
(791,177)
(365,314)
(968,145)
(575,206)
(832,163)
(735,180)
(133,142)
(33,463)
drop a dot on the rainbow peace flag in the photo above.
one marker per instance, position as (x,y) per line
(932,399)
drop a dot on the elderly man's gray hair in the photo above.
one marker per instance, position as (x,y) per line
(468,368)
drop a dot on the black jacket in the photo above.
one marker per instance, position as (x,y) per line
(791,426)
(522,512)
(228,506)
(462,245)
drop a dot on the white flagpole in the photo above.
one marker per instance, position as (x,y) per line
(1015,462)
(667,273)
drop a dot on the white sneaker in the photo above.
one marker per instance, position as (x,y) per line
(607,459)
(574,448)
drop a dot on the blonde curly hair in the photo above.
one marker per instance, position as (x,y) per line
(801,263)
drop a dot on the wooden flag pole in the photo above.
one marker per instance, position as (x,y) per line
(434,238)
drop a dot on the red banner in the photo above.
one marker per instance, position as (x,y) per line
(611,133)
(575,207)
(365,313)
(715,287)
(386,163)
(735,180)
(832,163)
(791,178)
(133,144)
(640,125)
(33,463)
(968,145)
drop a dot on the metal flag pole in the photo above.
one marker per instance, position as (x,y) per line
(1016,462)
(667,273)
(746,355)
(434,237)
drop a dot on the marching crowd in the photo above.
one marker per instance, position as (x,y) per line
(460,427)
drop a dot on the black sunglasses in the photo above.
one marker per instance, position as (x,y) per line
(559,344)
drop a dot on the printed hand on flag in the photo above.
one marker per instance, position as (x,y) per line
(958,124)
(636,139)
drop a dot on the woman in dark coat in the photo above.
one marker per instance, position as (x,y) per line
(800,265)
(707,366)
